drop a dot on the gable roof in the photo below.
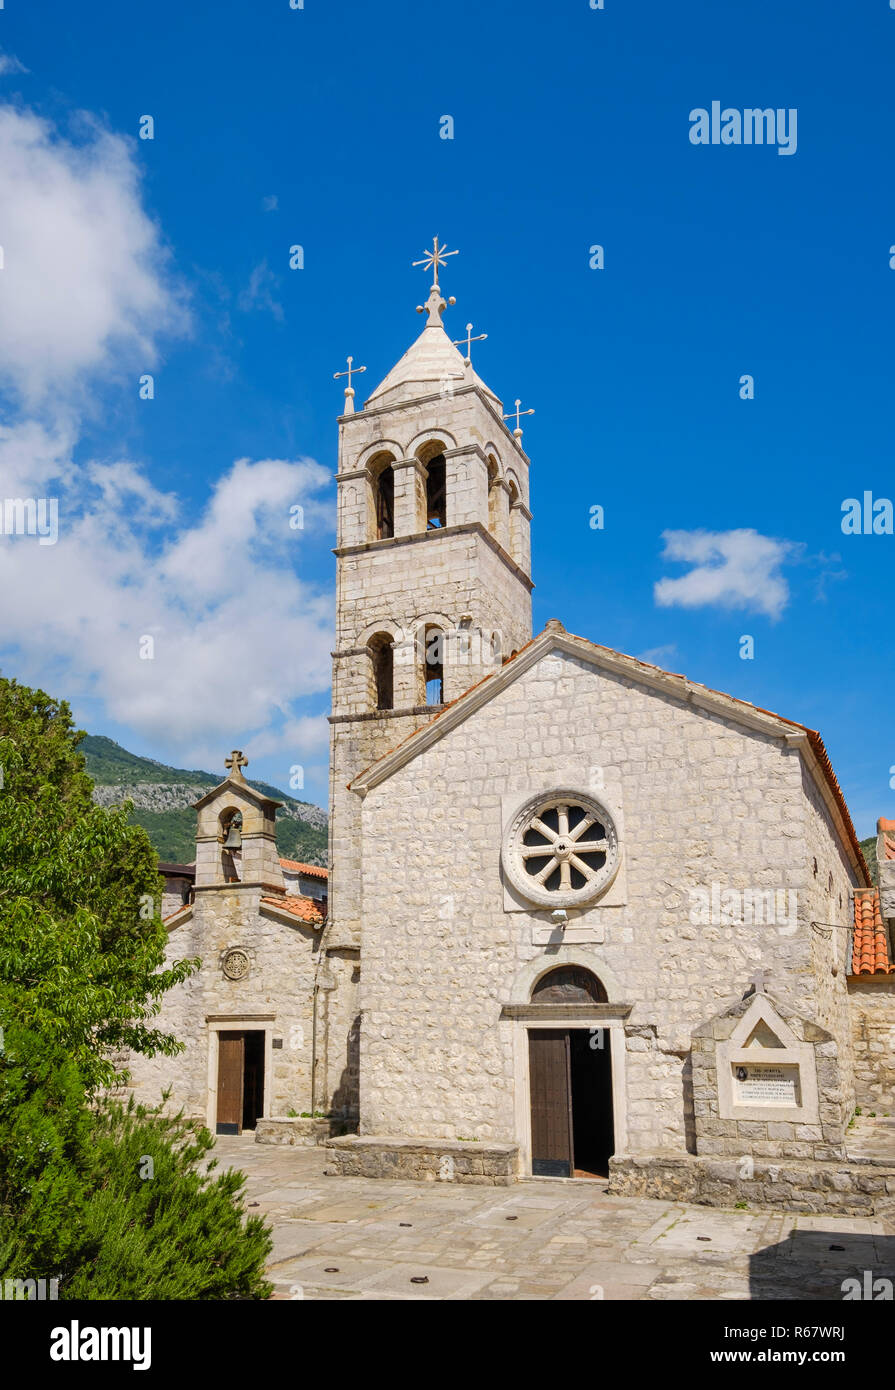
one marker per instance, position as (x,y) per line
(555,638)
(238,784)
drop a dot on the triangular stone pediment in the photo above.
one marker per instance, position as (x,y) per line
(762,1026)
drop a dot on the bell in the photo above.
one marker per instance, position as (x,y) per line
(234,838)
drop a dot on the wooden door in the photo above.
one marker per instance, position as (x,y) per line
(552,1151)
(231,1069)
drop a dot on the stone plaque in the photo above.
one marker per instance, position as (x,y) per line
(763,1083)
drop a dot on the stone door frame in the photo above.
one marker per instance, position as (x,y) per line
(237,1023)
(521,1015)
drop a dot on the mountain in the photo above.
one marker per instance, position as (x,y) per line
(869,848)
(163,798)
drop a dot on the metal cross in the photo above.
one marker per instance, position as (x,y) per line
(351,368)
(759,980)
(517,412)
(469,340)
(434,258)
(236,762)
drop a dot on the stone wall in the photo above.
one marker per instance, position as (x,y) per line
(873,1033)
(373,1156)
(820,1135)
(275,997)
(839,1189)
(701,800)
(826,899)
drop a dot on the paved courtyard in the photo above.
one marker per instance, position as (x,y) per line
(543,1239)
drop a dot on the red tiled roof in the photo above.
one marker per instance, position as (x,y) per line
(870,949)
(886,828)
(171,915)
(312,870)
(305,909)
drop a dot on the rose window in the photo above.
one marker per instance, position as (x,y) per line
(561,849)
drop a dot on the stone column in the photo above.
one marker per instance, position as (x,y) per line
(410,496)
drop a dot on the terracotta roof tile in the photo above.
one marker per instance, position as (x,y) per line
(312,870)
(886,828)
(870,947)
(305,909)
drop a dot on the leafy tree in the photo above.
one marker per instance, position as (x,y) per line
(114,1201)
(82,946)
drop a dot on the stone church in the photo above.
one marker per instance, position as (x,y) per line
(585,917)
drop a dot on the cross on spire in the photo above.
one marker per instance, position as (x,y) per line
(517,412)
(469,340)
(349,389)
(759,980)
(236,762)
(434,258)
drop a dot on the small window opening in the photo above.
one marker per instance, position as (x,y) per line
(436,495)
(382,656)
(434,666)
(385,504)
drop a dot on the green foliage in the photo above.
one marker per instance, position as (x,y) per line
(115,1201)
(82,947)
(172,830)
(111,765)
(173,835)
(868,848)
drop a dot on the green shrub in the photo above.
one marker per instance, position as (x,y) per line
(115,1201)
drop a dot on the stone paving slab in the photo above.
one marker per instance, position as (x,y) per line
(569,1241)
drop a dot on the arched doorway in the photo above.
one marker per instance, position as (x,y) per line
(570,1079)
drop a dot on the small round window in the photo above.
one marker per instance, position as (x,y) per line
(561,849)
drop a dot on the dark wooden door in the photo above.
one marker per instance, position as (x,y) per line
(552,1152)
(231,1067)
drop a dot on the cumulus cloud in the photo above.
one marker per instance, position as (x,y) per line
(237,636)
(84,287)
(732,569)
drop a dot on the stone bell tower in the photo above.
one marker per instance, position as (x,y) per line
(433,588)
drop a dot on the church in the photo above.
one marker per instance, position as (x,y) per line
(584,917)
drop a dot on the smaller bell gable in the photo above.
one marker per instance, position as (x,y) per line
(236,840)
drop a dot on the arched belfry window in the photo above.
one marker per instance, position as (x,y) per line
(384,499)
(436,493)
(569,984)
(382,661)
(230,840)
(433,666)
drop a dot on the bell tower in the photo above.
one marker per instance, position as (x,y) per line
(433,587)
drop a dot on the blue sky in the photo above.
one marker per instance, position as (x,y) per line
(321,127)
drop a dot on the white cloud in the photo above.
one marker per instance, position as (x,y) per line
(733,569)
(258,294)
(10,64)
(84,287)
(271,203)
(238,636)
